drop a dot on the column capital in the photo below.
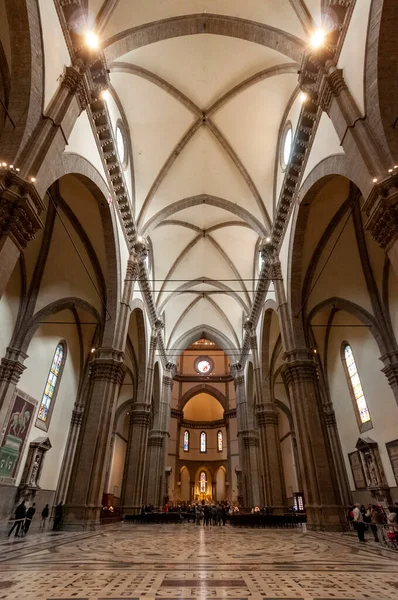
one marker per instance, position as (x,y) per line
(156,438)
(74,80)
(140,249)
(329,414)
(332,84)
(250,437)
(140,414)
(108,365)
(11,366)
(77,416)
(237,373)
(381,208)
(299,366)
(20,208)
(267,414)
(391,372)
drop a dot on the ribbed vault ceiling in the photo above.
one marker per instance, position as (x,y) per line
(205,87)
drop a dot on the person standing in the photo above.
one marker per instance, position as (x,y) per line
(58,517)
(20,513)
(358,523)
(44,516)
(30,513)
(377,520)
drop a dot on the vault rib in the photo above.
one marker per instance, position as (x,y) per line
(242,170)
(122,67)
(185,287)
(166,167)
(191,201)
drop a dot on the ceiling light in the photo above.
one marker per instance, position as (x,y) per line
(33,179)
(3,164)
(374,179)
(268,239)
(17,169)
(390,170)
(92,40)
(303,97)
(92,349)
(318,38)
(105,95)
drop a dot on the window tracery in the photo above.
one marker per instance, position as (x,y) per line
(52,384)
(219,441)
(202,482)
(355,386)
(186,441)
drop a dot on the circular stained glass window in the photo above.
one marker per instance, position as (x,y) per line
(287,142)
(204,365)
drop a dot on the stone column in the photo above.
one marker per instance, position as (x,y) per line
(214,490)
(247,442)
(20,210)
(323,505)
(136,455)
(164,421)
(337,453)
(84,499)
(70,450)
(107,370)
(267,420)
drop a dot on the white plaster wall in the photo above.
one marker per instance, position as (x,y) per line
(9,305)
(64,275)
(326,143)
(56,55)
(381,403)
(352,57)
(33,380)
(82,142)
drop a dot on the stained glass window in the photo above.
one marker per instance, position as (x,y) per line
(219,441)
(203,442)
(356,386)
(51,385)
(203,366)
(186,441)
(202,482)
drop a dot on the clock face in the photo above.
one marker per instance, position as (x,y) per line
(203,366)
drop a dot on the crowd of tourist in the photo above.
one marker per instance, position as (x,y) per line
(374,518)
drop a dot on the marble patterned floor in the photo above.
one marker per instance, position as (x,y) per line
(185,561)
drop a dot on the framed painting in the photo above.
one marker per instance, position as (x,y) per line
(14,435)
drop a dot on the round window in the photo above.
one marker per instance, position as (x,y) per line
(121,144)
(204,365)
(286,149)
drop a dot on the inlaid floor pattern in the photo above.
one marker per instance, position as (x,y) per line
(186,561)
